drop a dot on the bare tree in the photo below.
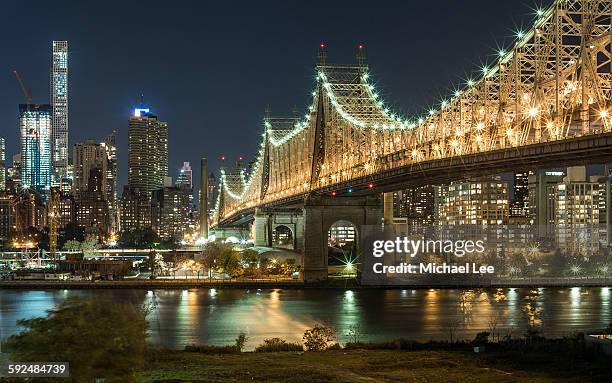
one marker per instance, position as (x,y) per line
(354,333)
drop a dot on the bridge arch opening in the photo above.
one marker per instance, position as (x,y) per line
(282,237)
(342,245)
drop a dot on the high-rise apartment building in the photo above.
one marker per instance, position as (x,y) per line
(577,205)
(478,202)
(170,212)
(92,209)
(135,209)
(541,200)
(147,151)
(66,210)
(7,217)
(95,170)
(2,164)
(86,157)
(415,204)
(59,103)
(13,174)
(518,207)
(35,140)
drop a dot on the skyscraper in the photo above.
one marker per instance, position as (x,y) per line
(35,140)
(184,181)
(147,151)
(2,164)
(185,177)
(59,103)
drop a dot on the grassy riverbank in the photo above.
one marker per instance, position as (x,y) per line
(368,366)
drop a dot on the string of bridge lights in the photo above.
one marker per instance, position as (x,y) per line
(396,122)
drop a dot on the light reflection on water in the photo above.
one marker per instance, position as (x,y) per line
(216,316)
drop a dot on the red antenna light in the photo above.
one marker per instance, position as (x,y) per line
(222,158)
(322,45)
(360,46)
(370,185)
(240,158)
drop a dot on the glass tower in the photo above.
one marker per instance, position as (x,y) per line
(59,103)
(35,140)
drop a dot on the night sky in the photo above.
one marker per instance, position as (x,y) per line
(209,69)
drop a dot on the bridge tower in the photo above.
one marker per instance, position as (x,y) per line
(203,198)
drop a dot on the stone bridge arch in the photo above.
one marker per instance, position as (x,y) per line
(320,213)
(283,235)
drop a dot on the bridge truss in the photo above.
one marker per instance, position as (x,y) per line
(554,84)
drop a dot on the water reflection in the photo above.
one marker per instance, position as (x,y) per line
(216,316)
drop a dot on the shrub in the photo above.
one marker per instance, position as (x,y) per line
(481,338)
(318,338)
(354,333)
(100,339)
(278,345)
(241,341)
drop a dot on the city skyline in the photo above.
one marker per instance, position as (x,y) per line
(388,49)
(198,187)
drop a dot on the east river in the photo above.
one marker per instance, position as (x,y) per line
(216,316)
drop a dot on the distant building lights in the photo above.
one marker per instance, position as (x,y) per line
(139,111)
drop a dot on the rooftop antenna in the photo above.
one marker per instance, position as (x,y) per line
(360,55)
(322,54)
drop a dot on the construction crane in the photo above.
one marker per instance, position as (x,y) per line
(27,92)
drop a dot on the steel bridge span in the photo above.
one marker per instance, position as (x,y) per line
(544,102)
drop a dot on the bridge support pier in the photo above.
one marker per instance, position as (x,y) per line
(320,213)
(266,221)
(260,229)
